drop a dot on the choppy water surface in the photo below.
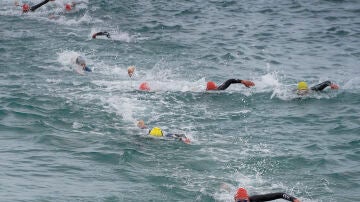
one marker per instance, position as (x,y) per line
(69,137)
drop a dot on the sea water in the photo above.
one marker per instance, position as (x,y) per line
(71,137)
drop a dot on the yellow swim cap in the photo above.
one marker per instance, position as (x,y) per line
(157,132)
(302,85)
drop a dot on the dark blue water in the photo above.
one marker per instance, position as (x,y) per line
(71,137)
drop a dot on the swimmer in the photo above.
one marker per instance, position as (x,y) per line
(157,132)
(26,8)
(81,61)
(107,34)
(302,87)
(212,86)
(242,196)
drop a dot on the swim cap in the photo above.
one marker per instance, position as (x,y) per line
(241,194)
(80,60)
(144,86)
(302,85)
(211,86)
(25,8)
(68,7)
(157,132)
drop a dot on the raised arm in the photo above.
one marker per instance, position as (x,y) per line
(107,34)
(180,137)
(273,196)
(33,8)
(227,83)
(323,85)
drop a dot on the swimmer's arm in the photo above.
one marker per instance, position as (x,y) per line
(273,196)
(107,34)
(323,85)
(33,8)
(228,82)
(180,137)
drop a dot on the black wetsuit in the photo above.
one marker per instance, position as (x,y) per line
(175,136)
(321,86)
(107,34)
(33,8)
(227,83)
(270,197)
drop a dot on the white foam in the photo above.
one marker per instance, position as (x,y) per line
(56,81)
(267,82)
(124,106)
(353,83)
(67,60)
(77,125)
(65,20)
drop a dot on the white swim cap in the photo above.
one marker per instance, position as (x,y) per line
(80,60)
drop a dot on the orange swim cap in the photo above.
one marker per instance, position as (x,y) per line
(241,194)
(144,86)
(68,7)
(211,86)
(25,8)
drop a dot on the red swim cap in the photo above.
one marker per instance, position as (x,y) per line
(144,86)
(68,7)
(211,86)
(25,8)
(241,194)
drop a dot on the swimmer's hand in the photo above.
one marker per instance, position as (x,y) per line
(296,200)
(247,83)
(334,86)
(185,140)
(180,137)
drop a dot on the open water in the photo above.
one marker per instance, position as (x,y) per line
(71,137)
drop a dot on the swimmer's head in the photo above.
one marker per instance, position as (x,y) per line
(141,124)
(211,86)
(25,8)
(157,132)
(80,61)
(68,7)
(302,86)
(144,86)
(131,70)
(241,194)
